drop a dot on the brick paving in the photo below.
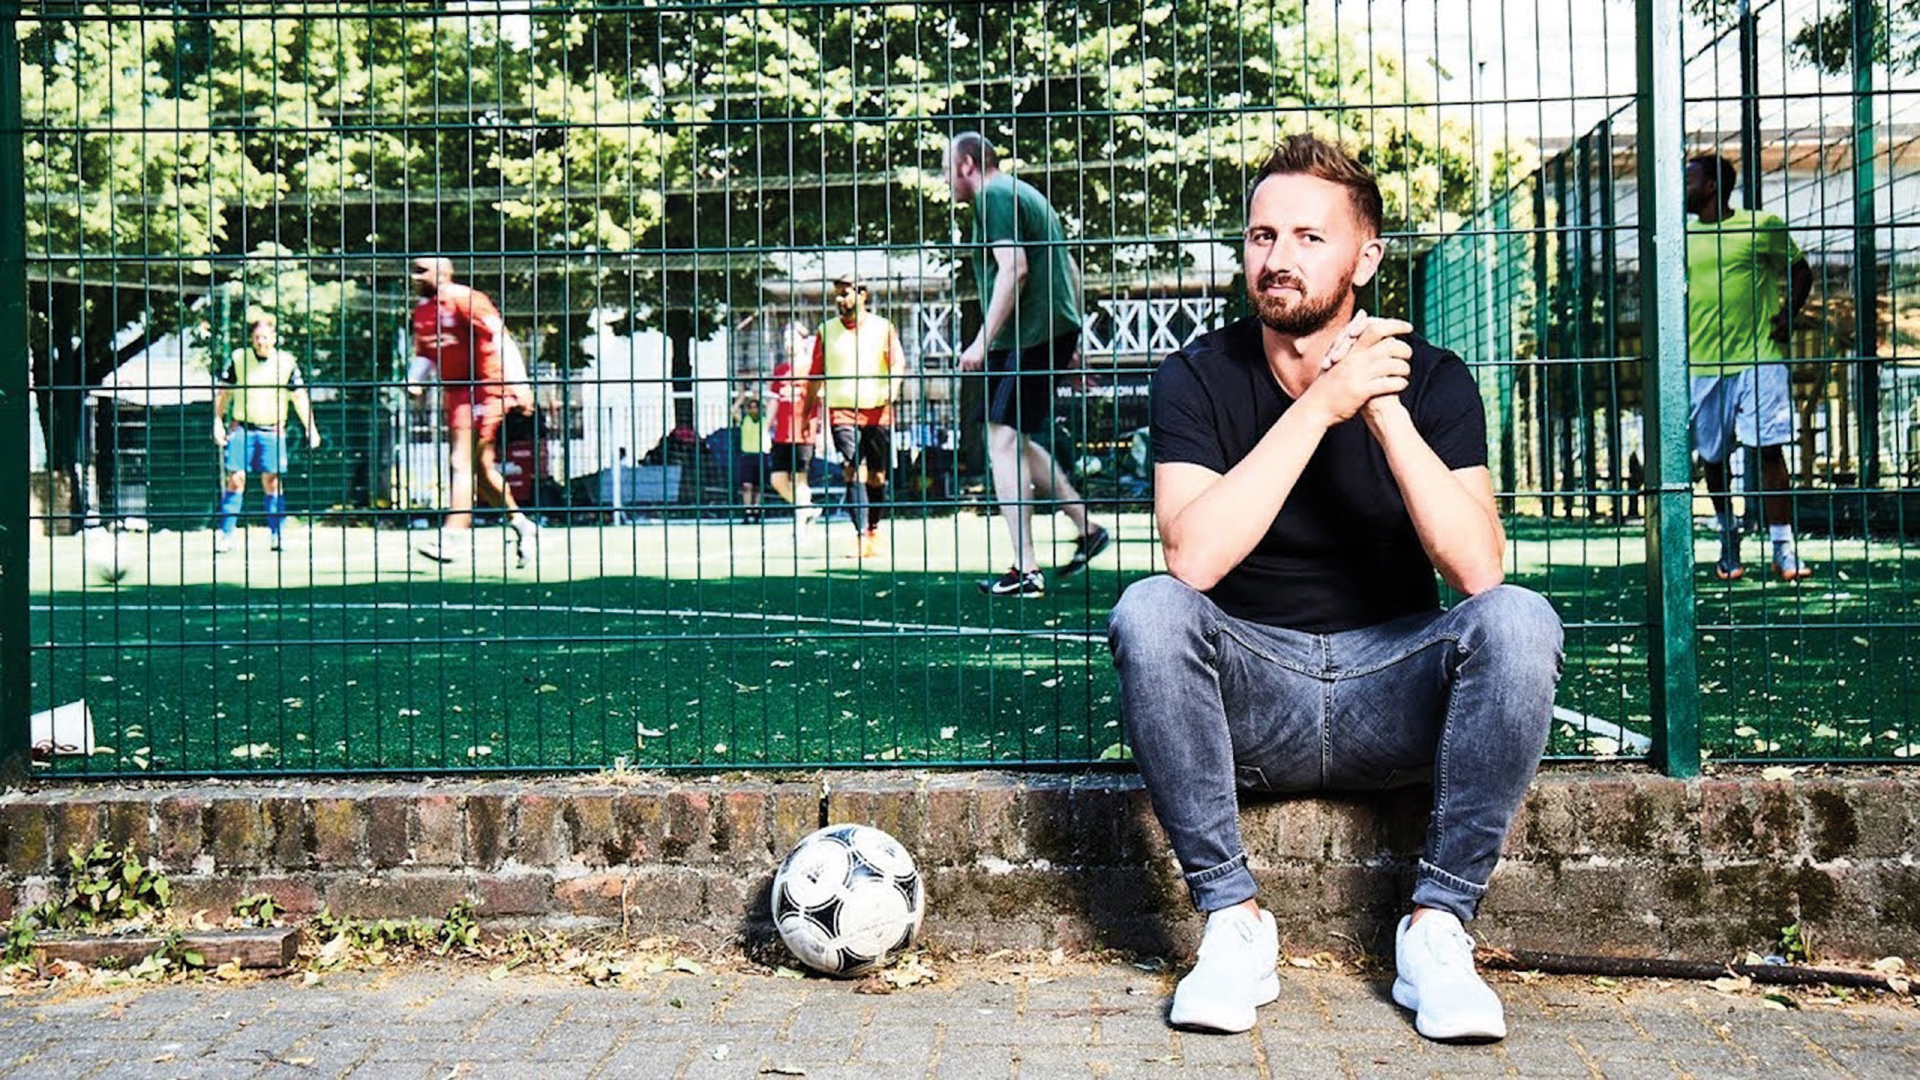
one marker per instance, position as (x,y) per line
(981,1019)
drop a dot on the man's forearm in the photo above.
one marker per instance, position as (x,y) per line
(1212,534)
(999,310)
(1461,535)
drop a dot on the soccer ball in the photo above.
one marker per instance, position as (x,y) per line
(106,558)
(847,898)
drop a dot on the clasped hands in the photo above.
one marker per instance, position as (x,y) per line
(1364,369)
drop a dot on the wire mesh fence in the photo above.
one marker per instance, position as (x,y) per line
(658,200)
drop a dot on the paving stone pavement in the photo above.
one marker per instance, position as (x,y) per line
(1080,1019)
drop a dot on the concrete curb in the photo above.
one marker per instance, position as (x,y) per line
(1595,863)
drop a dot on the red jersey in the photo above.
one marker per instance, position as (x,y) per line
(458,329)
(789,394)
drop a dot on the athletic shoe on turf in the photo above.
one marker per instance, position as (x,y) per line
(1233,975)
(273,542)
(1015,583)
(222,543)
(1433,961)
(873,545)
(525,534)
(1729,569)
(1788,567)
(1084,549)
(435,547)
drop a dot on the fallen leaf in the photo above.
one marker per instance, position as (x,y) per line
(1777,772)
(1731,984)
(681,963)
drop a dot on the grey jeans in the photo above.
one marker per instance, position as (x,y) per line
(1461,698)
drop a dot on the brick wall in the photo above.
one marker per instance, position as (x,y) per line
(1614,863)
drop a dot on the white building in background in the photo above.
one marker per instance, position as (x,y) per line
(626,396)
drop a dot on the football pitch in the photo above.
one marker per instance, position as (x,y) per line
(729,645)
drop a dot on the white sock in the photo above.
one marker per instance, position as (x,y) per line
(1780,534)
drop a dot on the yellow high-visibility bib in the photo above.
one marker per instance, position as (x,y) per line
(856,363)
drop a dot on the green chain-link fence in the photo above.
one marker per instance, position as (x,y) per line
(658,197)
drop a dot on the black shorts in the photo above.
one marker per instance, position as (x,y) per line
(791,457)
(870,445)
(750,469)
(1020,383)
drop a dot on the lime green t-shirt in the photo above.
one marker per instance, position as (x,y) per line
(1048,305)
(1736,284)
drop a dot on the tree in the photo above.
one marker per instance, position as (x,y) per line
(648,159)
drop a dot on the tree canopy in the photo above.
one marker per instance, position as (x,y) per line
(647,158)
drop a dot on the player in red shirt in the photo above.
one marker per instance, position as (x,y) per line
(458,330)
(796,430)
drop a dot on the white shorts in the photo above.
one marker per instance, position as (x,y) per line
(1752,407)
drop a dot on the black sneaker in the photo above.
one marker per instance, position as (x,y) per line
(1015,583)
(1084,549)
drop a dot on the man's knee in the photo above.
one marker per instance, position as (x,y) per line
(1156,613)
(1517,626)
(1002,438)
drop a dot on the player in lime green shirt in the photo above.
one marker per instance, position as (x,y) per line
(1745,283)
(250,425)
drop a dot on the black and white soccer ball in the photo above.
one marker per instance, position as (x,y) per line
(108,555)
(847,898)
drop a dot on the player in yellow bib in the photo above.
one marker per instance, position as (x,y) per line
(250,426)
(1745,283)
(858,365)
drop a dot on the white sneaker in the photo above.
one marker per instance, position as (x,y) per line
(1436,979)
(1233,975)
(434,547)
(525,533)
(222,543)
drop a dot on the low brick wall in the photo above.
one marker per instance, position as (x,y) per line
(1611,863)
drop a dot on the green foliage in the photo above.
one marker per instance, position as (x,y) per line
(260,908)
(107,885)
(20,936)
(1796,943)
(458,932)
(644,159)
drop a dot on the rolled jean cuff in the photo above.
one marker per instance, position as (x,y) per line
(1222,886)
(1435,888)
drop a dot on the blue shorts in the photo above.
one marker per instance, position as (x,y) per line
(261,450)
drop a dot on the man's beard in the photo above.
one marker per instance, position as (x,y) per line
(1301,317)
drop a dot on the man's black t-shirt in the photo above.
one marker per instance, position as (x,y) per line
(1342,553)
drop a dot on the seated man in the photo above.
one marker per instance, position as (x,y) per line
(1313,468)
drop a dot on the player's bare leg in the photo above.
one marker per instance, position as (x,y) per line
(460,460)
(1050,482)
(493,488)
(1013,486)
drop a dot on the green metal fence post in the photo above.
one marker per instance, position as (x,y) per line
(15,701)
(1749,109)
(1866,281)
(1671,664)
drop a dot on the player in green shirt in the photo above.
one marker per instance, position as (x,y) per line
(1745,283)
(1029,335)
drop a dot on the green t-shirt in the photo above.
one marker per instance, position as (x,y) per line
(1736,282)
(1048,305)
